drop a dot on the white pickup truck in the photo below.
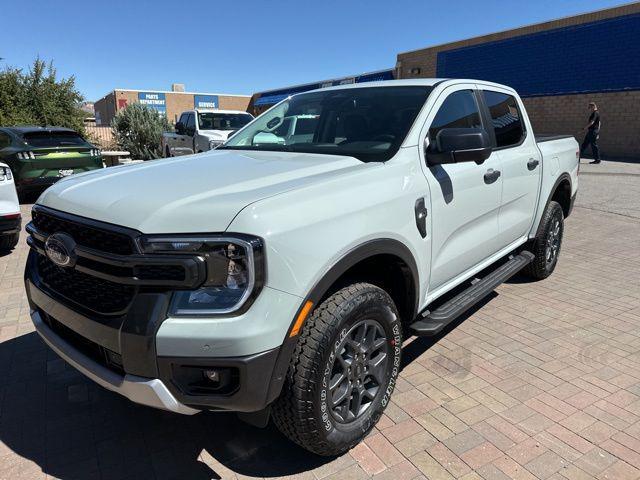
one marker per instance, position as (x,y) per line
(278,278)
(200,130)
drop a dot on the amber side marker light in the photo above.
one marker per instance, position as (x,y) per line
(302,316)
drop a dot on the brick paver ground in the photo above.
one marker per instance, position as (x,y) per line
(540,381)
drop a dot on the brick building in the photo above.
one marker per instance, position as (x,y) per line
(558,67)
(170,103)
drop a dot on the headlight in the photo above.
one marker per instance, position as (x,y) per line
(215,143)
(5,174)
(235,271)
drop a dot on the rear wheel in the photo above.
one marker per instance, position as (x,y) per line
(546,245)
(167,152)
(343,371)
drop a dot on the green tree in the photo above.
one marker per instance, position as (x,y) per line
(39,98)
(138,129)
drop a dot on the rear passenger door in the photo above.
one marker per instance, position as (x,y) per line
(464,204)
(521,163)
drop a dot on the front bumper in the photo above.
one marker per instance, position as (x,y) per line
(10,225)
(146,391)
(143,374)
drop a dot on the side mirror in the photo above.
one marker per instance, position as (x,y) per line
(180,128)
(455,145)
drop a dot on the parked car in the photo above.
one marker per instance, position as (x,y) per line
(200,130)
(10,218)
(278,278)
(40,156)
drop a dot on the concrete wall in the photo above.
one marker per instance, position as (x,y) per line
(565,113)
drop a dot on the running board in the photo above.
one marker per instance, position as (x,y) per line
(432,323)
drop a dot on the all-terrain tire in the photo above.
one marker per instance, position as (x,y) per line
(546,245)
(304,411)
(8,242)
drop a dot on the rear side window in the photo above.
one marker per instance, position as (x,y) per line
(183,118)
(459,110)
(54,139)
(506,118)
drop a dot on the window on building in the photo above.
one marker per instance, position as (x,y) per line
(459,110)
(506,118)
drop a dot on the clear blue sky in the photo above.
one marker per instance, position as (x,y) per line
(245,46)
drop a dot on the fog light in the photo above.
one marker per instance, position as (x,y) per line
(212,375)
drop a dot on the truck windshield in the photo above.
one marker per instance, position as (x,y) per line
(368,123)
(223,121)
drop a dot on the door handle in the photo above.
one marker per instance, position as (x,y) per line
(421,217)
(491,176)
(532,163)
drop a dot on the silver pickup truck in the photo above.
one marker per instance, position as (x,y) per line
(201,130)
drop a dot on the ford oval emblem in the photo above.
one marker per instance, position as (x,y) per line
(60,248)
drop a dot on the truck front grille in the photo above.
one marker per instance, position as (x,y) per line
(85,235)
(98,295)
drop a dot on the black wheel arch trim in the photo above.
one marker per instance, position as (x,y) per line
(382,246)
(563,176)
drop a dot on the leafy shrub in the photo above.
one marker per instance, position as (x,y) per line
(138,129)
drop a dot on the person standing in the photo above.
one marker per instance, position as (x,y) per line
(593,133)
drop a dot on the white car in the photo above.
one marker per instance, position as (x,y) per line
(200,130)
(277,276)
(10,218)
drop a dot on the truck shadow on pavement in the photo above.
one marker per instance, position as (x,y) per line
(68,427)
(71,428)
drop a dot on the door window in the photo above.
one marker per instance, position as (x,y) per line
(183,118)
(190,126)
(505,117)
(459,110)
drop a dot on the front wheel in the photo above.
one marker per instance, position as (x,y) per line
(546,245)
(342,372)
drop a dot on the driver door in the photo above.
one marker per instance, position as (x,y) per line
(465,202)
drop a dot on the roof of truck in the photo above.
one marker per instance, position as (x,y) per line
(427,82)
(216,110)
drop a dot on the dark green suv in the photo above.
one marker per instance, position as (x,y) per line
(40,156)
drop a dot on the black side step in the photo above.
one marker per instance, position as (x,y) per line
(434,322)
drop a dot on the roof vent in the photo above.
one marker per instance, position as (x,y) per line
(177,87)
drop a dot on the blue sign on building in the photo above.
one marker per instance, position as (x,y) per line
(600,56)
(205,101)
(155,100)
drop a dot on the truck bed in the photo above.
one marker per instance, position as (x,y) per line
(550,137)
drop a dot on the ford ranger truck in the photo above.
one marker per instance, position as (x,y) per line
(278,278)
(200,130)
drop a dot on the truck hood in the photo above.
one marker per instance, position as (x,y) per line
(190,194)
(216,134)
